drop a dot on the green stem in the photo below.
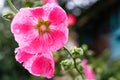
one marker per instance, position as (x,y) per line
(12,6)
(67,51)
(74,62)
(77,68)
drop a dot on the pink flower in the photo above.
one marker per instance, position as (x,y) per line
(71,20)
(40,29)
(40,64)
(89,74)
(50,1)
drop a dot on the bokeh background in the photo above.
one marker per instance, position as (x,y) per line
(97,25)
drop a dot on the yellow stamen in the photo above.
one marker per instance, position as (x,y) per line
(43,26)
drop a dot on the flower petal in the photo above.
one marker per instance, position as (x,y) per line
(48,42)
(22,26)
(37,12)
(22,56)
(58,38)
(36,46)
(57,16)
(22,22)
(89,74)
(41,65)
(50,1)
(25,39)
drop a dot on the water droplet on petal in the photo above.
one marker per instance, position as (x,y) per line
(17,31)
(24,37)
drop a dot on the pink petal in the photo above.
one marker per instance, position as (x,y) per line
(50,1)
(57,16)
(36,46)
(37,12)
(89,74)
(22,26)
(41,65)
(48,42)
(57,38)
(84,61)
(22,56)
(25,39)
(21,22)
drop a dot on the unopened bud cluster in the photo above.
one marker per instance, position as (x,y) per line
(76,52)
(74,61)
(66,64)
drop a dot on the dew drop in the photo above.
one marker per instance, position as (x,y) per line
(24,37)
(17,31)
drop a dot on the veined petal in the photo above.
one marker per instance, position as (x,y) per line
(58,38)
(57,16)
(22,26)
(37,12)
(25,39)
(22,21)
(47,9)
(22,56)
(41,65)
(48,42)
(36,46)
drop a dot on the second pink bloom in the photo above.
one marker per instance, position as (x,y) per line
(40,64)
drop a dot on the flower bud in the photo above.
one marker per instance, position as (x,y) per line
(84,47)
(80,67)
(78,60)
(66,64)
(90,53)
(77,52)
(8,16)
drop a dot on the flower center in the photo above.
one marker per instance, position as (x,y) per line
(42,26)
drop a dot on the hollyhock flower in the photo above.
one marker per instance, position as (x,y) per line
(40,29)
(71,20)
(50,1)
(89,74)
(40,64)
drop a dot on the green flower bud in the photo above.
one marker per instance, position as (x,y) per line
(77,52)
(89,52)
(80,67)
(84,47)
(78,60)
(8,16)
(66,64)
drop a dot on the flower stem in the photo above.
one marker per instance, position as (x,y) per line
(77,68)
(74,60)
(12,6)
